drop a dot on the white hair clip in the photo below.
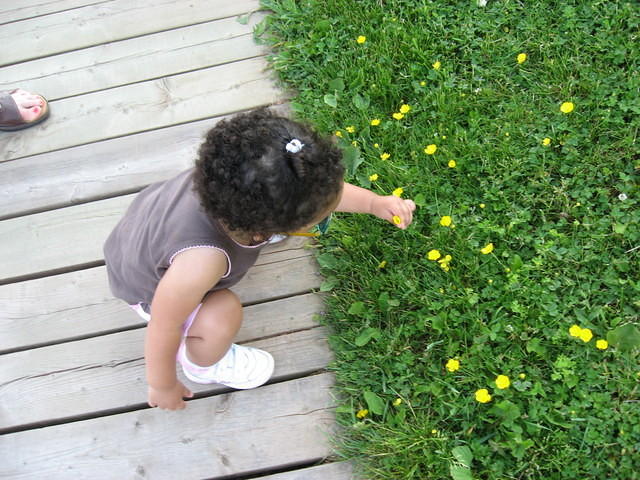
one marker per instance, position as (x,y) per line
(294,146)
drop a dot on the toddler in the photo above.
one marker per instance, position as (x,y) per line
(185,241)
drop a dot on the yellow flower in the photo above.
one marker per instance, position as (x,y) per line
(452,164)
(397,192)
(483,395)
(423,83)
(430,149)
(398,116)
(445,221)
(575,331)
(522,58)
(433,255)
(361,39)
(522,376)
(373,177)
(375,122)
(397,402)
(405,108)
(385,156)
(382,264)
(586,335)
(338,133)
(602,344)
(434,431)
(482,205)
(396,219)
(444,263)
(362,413)
(437,65)
(567,107)
(351,129)
(487,249)
(453,365)
(502,382)
(376,145)
(546,141)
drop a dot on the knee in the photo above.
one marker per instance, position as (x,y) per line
(222,307)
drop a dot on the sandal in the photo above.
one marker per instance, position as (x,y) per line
(10,116)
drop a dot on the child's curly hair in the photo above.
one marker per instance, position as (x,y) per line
(246,178)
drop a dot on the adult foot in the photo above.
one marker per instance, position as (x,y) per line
(21,109)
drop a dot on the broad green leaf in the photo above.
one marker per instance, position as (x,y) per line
(352,159)
(337,85)
(360,102)
(419,200)
(331,100)
(356,308)
(366,335)
(326,260)
(460,472)
(463,455)
(329,284)
(624,338)
(374,402)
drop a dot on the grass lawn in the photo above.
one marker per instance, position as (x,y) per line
(514,127)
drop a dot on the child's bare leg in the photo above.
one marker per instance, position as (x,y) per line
(214,327)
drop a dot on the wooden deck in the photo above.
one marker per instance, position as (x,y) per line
(132,87)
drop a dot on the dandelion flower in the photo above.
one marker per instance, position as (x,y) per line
(445,221)
(567,107)
(373,177)
(453,365)
(362,413)
(522,376)
(375,122)
(351,129)
(482,205)
(398,116)
(437,65)
(452,164)
(397,220)
(361,39)
(397,402)
(338,133)
(434,431)
(575,331)
(397,192)
(602,344)
(433,255)
(586,335)
(521,58)
(376,145)
(502,382)
(430,149)
(423,83)
(487,249)
(546,141)
(382,264)
(385,156)
(405,108)
(483,395)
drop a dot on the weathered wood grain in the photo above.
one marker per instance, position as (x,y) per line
(100,374)
(146,106)
(108,22)
(99,170)
(329,471)
(24,9)
(237,433)
(136,59)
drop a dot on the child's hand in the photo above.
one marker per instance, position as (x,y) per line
(169,398)
(394,209)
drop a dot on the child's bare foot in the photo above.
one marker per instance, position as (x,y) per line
(21,109)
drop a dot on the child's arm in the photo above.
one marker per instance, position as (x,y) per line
(179,292)
(360,200)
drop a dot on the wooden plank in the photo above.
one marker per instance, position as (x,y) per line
(108,22)
(24,9)
(135,60)
(233,434)
(100,170)
(329,471)
(67,238)
(145,106)
(79,304)
(100,374)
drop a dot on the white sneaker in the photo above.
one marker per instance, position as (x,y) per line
(240,368)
